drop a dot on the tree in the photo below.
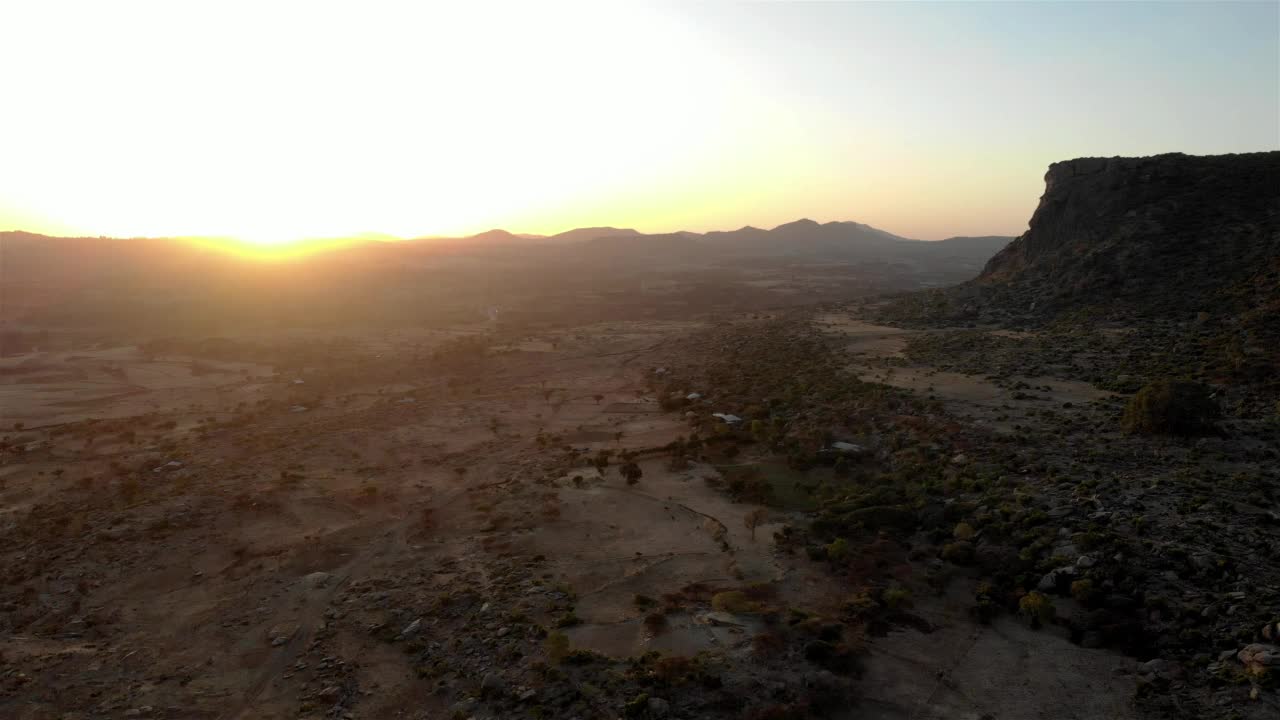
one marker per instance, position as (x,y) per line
(754,519)
(601,461)
(1171,407)
(632,472)
(597,398)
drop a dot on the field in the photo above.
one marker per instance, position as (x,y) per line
(563,500)
(399,520)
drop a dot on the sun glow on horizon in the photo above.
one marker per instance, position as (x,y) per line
(414,122)
(272,251)
(272,123)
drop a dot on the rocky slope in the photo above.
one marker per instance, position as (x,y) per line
(1181,253)
(1164,234)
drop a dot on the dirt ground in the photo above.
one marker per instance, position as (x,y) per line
(998,405)
(962,669)
(290,527)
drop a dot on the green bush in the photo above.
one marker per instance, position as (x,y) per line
(1172,407)
(556,646)
(735,602)
(1037,608)
(568,619)
(1084,592)
(896,598)
(838,551)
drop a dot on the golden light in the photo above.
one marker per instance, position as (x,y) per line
(274,123)
(276,250)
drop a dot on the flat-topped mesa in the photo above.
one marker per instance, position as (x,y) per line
(1168,227)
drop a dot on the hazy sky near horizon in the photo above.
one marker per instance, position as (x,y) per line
(274,121)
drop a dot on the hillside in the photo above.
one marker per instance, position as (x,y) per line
(1163,237)
(1176,257)
(944,261)
(1158,235)
(807,237)
(591,233)
(95,277)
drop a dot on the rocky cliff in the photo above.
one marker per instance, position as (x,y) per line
(1179,255)
(1158,235)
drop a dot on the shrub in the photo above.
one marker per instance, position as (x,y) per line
(638,707)
(654,622)
(1172,407)
(1082,590)
(838,551)
(751,489)
(674,669)
(984,607)
(860,605)
(734,601)
(896,598)
(583,657)
(1036,607)
(632,473)
(557,647)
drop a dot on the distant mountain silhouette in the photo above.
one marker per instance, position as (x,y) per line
(936,262)
(804,240)
(807,237)
(171,285)
(494,236)
(592,233)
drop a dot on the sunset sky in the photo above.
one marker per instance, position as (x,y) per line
(275,121)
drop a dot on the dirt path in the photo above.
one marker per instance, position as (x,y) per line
(1002,670)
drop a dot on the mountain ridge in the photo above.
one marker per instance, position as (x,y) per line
(582,234)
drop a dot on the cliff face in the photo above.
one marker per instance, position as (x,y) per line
(1155,235)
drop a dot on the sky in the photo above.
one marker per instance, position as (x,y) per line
(278,121)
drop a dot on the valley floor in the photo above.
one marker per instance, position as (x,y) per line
(385,529)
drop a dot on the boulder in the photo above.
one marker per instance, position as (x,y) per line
(316,580)
(1258,656)
(658,707)
(1056,580)
(411,629)
(492,684)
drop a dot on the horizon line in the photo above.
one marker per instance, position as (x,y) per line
(376,236)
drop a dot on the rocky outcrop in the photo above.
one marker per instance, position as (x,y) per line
(1180,252)
(1155,235)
